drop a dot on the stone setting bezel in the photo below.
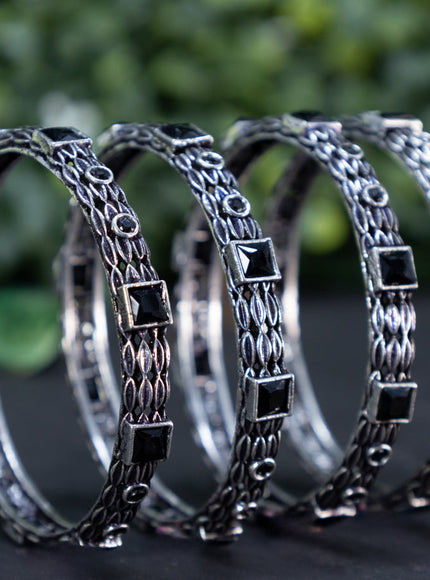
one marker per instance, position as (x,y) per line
(236,266)
(375,269)
(126,309)
(375,403)
(50,144)
(252,395)
(129,436)
(200,138)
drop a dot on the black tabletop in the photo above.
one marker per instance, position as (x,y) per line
(374,546)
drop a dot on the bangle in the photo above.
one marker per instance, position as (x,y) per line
(26,515)
(251,269)
(389,277)
(403,136)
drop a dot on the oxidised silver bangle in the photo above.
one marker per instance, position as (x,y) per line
(403,136)
(139,439)
(389,276)
(251,270)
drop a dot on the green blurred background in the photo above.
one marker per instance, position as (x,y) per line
(90,64)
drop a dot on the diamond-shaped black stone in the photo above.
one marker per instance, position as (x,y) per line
(397,268)
(150,443)
(395,403)
(256,259)
(62,134)
(148,305)
(181,131)
(273,397)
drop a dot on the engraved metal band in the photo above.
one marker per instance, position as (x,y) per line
(26,515)
(389,277)
(250,269)
(403,136)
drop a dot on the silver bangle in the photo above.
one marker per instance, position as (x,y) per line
(251,269)
(389,393)
(403,136)
(143,433)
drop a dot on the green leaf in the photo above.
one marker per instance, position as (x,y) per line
(29,329)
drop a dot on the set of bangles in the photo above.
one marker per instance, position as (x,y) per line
(223,247)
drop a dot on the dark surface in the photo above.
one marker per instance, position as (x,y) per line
(375,546)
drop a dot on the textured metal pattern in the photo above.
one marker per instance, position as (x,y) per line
(26,516)
(390,313)
(404,138)
(259,342)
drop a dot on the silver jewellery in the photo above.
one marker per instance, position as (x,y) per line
(141,435)
(389,277)
(403,136)
(264,386)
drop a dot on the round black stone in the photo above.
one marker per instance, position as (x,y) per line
(376,194)
(100,173)
(265,469)
(136,493)
(126,224)
(379,455)
(236,204)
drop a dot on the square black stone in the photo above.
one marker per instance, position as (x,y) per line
(311,116)
(146,305)
(180,135)
(80,278)
(142,443)
(181,131)
(253,261)
(273,397)
(397,268)
(150,444)
(269,397)
(395,403)
(63,134)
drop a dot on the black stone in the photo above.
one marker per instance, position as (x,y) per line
(203,248)
(126,224)
(256,259)
(136,493)
(402,116)
(150,443)
(62,134)
(236,204)
(397,268)
(394,403)
(311,116)
(181,131)
(100,173)
(273,397)
(92,390)
(376,193)
(148,305)
(202,363)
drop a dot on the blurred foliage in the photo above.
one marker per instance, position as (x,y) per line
(89,64)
